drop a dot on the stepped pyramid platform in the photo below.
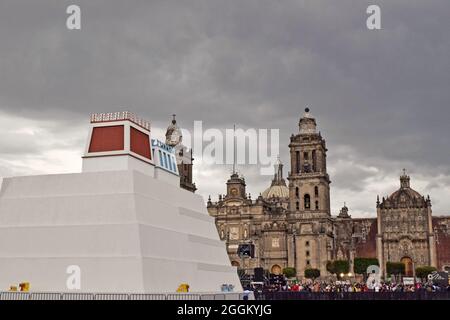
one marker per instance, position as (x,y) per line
(125,222)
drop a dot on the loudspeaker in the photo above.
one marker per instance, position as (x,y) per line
(246,250)
(259,274)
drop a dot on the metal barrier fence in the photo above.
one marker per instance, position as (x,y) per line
(115,296)
(111,296)
(137,296)
(418,295)
(182,296)
(14,296)
(75,296)
(45,296)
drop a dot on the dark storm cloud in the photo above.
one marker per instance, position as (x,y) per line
(382,94)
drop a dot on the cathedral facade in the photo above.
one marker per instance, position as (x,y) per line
(290,224)
(406,232)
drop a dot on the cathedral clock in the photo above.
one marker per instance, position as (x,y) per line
(173,134)
(175,137)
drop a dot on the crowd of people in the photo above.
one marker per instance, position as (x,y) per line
(347,286)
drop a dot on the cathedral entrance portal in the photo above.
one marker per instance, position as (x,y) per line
(276,269)
(408,266)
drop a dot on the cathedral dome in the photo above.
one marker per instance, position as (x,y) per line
(278,191)
(405,189)
(405,196)
(408,192)
(278,188)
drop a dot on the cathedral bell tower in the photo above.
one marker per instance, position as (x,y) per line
(174,138)
(309,200)
(309,183)
(236,187)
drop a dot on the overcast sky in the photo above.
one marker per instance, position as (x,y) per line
(381,98)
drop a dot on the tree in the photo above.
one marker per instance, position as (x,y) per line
(312,273)
(289,272)
(338,266)
(330,267)
(360,264)
(395,268)
(423,271)
(341,266)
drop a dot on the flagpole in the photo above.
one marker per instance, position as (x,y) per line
(234,149)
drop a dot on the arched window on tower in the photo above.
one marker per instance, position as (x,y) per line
(307,201)
(296,192)
(316,191)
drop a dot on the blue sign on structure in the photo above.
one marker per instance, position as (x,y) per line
(164,156)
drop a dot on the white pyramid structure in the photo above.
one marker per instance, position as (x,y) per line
(124,221)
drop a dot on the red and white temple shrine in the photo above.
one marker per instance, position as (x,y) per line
(124,221)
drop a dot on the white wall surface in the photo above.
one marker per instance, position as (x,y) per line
(117,163)
(126,230)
